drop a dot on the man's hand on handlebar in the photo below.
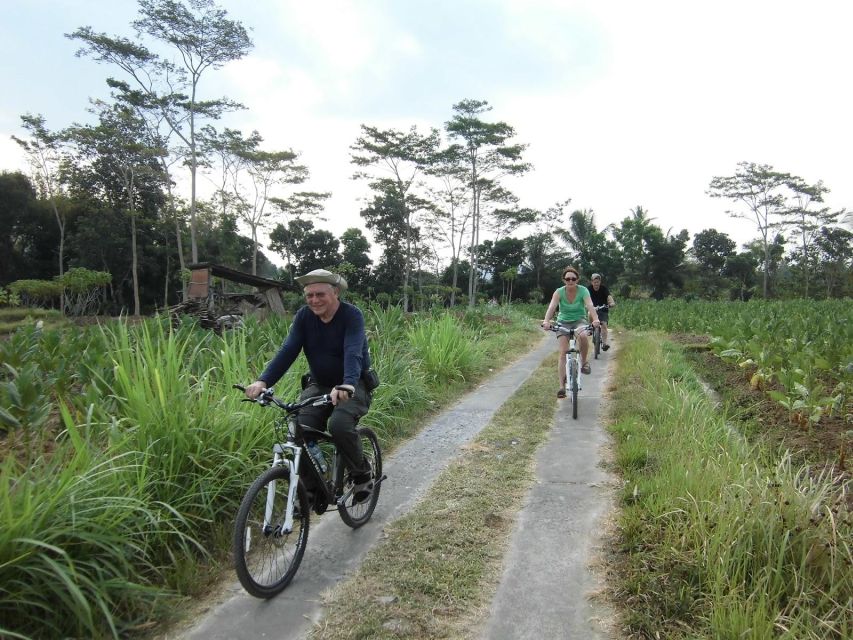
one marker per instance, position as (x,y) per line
(342,393)
(255,389)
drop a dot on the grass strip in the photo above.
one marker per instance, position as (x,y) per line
(438,567)
(718,538)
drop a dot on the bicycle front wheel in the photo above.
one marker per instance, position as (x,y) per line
(355,514)
(573,381)
(266,556)
(596,340)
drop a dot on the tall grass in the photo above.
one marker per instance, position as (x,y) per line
(153,452)
(445,350)
(724,540)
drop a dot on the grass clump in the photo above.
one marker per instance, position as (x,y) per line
(717,538)
(440,563)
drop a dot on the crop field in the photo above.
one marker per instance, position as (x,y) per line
(803,348)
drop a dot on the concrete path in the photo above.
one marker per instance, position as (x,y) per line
(334,549)
(544,592)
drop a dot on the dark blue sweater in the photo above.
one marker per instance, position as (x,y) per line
(336,351)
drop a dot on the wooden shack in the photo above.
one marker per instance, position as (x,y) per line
(218,305)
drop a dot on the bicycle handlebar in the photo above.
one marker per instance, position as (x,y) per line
(267,397)
(556,327)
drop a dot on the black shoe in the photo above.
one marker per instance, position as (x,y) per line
(362,491)
(605,347)
(561,393)
(363,484)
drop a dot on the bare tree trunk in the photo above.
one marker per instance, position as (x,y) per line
(254,250)
(61,223)
(454,282)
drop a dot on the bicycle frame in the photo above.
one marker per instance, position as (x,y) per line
(573,354)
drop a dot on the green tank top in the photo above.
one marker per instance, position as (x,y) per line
(572,311)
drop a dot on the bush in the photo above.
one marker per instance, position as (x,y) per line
(36,292)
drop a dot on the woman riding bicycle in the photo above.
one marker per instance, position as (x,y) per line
(574,304)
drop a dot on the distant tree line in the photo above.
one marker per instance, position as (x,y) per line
(105,196)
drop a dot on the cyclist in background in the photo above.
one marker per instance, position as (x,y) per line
(600,296)
(331,334)
(572,304)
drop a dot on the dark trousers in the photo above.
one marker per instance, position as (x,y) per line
(341,422)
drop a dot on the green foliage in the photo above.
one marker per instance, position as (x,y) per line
(804,346)
(36,292)
(9,298)
(146,449)
(23,404)
(80,280)
(720,539)
(446,351)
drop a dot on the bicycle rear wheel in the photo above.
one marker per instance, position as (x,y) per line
(265,556)
(355,514)
(573,381)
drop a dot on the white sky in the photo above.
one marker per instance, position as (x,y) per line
(622,103)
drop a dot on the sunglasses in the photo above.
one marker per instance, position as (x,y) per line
(570,279)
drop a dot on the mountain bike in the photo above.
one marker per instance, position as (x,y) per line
(573,362)
(596,332)
(272,524)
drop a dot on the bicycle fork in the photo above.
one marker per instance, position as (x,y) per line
(293,464)
(573,354)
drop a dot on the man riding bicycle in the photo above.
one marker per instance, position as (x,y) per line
(601,296)
(574,304)
(331,334)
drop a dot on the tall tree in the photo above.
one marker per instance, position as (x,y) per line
(489,157)
(762,190)
(711,249)
(267,169)
(632,236)
(401,157)
(385,218)
(295,211)
(355,253)
(202,37)
(834,248)
(152,114)
(805,221)
(741,269)
(318,250)
(228,151)
(17,196)
(666,261)
(540,246)
(448,218)
(583,238)
(120,153)
(44,152)
(770,259)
